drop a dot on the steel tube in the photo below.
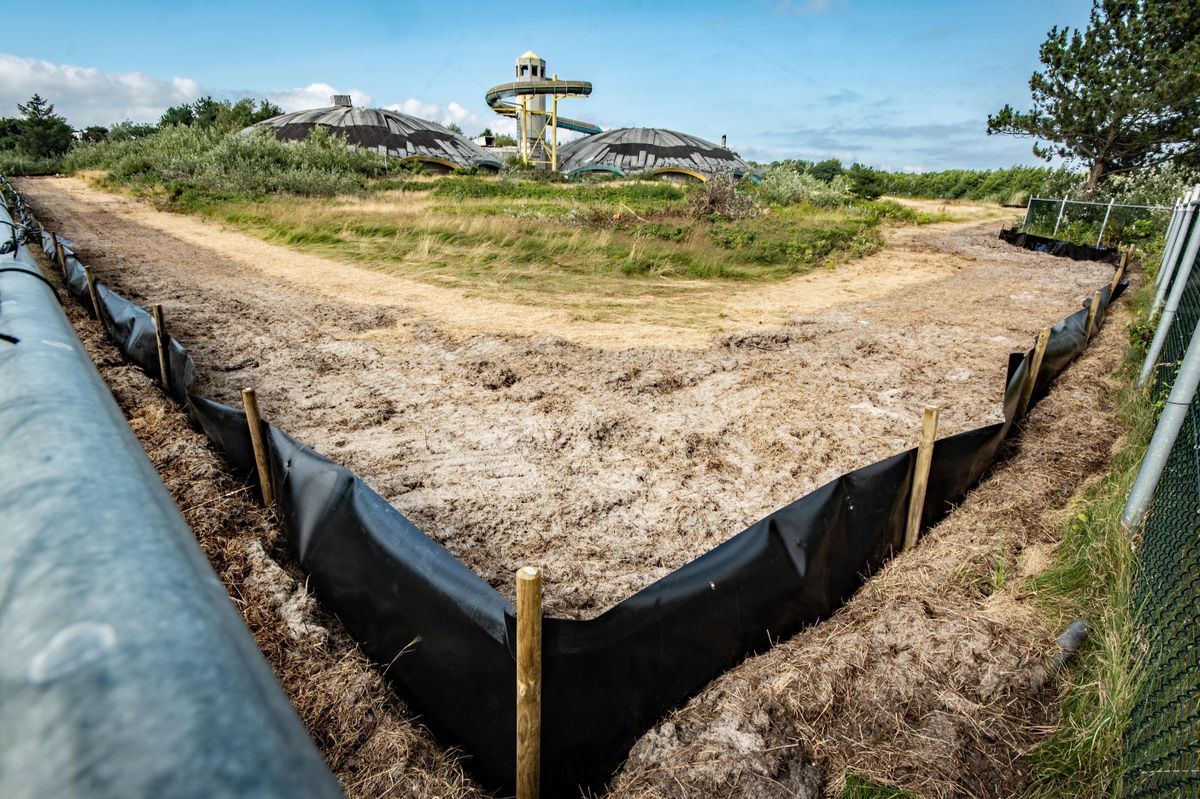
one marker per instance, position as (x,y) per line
(1185,232)
(1104,224)
(1172,232)
(1178,286)
(125,670)
(1058,221)
(1163,440)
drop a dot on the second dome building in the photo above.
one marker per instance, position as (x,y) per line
(654,151)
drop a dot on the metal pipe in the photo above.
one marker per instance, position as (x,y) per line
(1163,440)
(1058,221)
(1182,235)
(1121,205)
(1104,224)
(127,672)
(1180,274)
(1163,329)
(1172,232)
(1069,642)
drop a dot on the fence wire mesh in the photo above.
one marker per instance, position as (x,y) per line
(1095,224)
(1162,742)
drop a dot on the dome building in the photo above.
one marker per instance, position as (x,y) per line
(655,151)
(388,133)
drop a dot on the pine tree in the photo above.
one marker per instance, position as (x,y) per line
(1120,95)
(43,134)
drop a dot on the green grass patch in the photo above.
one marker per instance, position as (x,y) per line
(1091,577)
(561,239)
(858,787)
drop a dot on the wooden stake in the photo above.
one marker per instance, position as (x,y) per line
(58,253)
(160,338)
(1093,313)
(91,284)
(529,682)
(254,421)
(1120,273)
(916,500)
(1039,352)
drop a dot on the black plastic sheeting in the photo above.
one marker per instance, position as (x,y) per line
(449,636)
(1063,249)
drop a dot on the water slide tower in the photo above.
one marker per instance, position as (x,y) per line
(531,136)
(525,101)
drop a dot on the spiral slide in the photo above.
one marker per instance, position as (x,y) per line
(497,95)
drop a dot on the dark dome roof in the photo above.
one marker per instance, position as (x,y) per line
(386,132)
(629,151)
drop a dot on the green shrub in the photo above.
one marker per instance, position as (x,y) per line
(784,185)
(14,163)
(865,182)
(720,197)
(190,160)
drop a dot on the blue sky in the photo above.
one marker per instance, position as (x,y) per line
(900,85)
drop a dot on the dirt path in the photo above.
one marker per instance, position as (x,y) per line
(714,307)
(608,465)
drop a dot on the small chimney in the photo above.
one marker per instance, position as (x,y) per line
(341,99)
(724,139)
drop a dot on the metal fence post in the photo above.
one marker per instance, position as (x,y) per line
(1163,440)
(1028,212)
(1172,234)
(1058,221)
(1104,224)
(1168,314)
(1186,234)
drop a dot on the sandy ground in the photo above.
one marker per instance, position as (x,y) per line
(606,461)
(937,676)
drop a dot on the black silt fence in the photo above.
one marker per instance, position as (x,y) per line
(449,637)
(1063,249)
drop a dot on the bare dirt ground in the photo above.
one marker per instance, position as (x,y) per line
(935,677)
(607,465)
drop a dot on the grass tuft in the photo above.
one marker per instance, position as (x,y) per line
(1092,577)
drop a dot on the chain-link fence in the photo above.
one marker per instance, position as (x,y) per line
(1162,742)
(1094,223)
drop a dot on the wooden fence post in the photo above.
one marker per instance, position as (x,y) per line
(62,259)
(1120,273)
(1039,352)
(254,421)
(916,499)
(1093,313)
(160,338)
(91,286)
(529,682)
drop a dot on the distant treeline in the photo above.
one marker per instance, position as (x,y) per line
(35,142)
(1006,186)
(1159,185)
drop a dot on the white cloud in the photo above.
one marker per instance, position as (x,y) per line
(450,113)
(314,95)
(87,96)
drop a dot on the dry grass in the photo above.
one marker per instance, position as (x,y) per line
(540,251)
